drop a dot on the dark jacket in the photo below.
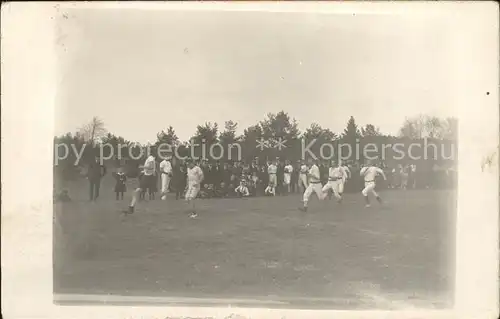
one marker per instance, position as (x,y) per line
(179,176)
(280,173)
(217,174)
(96,171)
(226,175)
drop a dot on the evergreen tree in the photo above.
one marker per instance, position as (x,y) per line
(370,130)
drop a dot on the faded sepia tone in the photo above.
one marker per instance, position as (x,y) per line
(303,76)
(260,249)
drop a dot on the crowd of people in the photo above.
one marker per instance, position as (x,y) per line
(233,179)
(242,179)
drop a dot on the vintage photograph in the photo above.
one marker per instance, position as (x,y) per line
(254,159)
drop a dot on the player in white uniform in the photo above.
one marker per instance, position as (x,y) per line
(272,169)
(314,185)
(336,176)
(166,175)
(347,176)
(194,179)
(287,176)
(146,182)
(242,189)
(303,177)
(369,173)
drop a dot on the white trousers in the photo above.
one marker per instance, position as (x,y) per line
(316,188)
(192,191)
(369,188)
(165,183)
(273,180)
(341,186)
(336,186)
(270,190)
(287,178)
(303,180)
(243,190)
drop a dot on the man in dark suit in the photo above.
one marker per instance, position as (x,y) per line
(254,168)
(226,174)
(179,177)
(95,172)
(280,175)
(323,170)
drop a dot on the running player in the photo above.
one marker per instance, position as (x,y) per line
(336,176)
(369,173)
(146,182)
(314,185)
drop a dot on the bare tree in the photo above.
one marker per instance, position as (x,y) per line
(92,131)
(433,127)
(412,128)
(422,126)
(450,128)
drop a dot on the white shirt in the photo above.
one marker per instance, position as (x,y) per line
(370,172)
(149,166)
(303,169)
(244,189)
(165,167)
(272,169)
(288,169)
(314,176)
(194,176)
(336,173)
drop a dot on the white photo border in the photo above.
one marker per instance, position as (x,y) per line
(29,86)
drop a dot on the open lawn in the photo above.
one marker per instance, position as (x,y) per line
(260,250)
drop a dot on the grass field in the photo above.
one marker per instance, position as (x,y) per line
(335,256)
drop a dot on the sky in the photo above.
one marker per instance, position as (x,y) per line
(141,71)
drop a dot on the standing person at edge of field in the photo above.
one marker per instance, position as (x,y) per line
(287,178)
(166,176)
(295,177)
(120,183)
(302,184)
(179,178)
(95,172)
(194,179)
(271,171)
(147,181)
(154,186)
(280,176)
(369,173)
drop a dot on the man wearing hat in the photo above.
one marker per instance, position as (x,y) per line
(166,175)
(95,172)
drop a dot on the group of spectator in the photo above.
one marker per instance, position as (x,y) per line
(222,178)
